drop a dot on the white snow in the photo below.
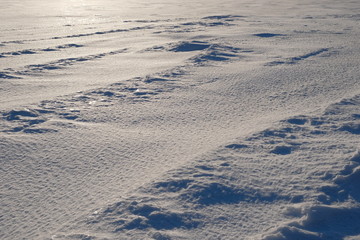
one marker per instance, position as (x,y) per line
(179,119)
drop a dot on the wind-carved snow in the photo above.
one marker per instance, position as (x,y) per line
(209,52)
(335,214)
(254,174)
(34,51)
(61,63)
(179,120)
(137,89)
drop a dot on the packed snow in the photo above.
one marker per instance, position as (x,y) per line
(234,119)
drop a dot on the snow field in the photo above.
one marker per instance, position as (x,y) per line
(180,122)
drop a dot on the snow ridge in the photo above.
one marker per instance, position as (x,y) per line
(31,119)
(179,120)
(336,213)
(222,188)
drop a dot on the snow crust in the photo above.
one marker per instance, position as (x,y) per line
(179,119)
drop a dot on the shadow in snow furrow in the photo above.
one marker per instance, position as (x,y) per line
(268,35)
(149,21)
(203,23)
(7,75)
(37,50)
(79,35)
(35,68)
(295,60)
(104,32)
(224,17)
(183,46)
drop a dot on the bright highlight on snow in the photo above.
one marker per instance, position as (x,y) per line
(179,120)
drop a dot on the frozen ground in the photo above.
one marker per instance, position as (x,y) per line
(179,119)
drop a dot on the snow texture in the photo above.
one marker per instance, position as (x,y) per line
(179,120)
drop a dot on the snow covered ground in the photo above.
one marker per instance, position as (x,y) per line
(237,119)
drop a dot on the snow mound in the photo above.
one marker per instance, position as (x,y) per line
(346,185)
(190,46)
(134,215)
(24,119)
(218,193)
(321,223)
(143,217)
(209,51)
(282,150)
(338,216)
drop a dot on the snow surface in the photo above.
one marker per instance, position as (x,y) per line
(180,119)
